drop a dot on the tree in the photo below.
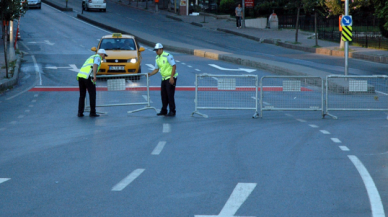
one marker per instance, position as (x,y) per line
(316,7)
(10,10)
(295,4)
(337,7)
(381,11)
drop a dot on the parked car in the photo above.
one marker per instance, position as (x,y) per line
(94,4)
(34,4)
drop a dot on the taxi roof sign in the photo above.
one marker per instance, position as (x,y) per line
(117,35)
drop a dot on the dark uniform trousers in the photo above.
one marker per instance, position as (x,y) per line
(167,92)
(91,87)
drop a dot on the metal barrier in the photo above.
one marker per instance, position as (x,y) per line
(119,90)
(356,93)
(226,92)
(291,93)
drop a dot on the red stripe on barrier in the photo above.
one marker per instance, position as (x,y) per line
(153,88)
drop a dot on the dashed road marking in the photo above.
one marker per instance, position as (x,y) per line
(301,120)
(21,116)
(31,106)
(344,148)
(127,180)
(13,122)
(4,180)
(336,140)
(166,128)
(189,66)
(289,115)
(146,98)
(36,95)
(373,193)
(313,126)
(325,132)
(33,100)
(158,149)
(183,63)
(197,70)
(27,110)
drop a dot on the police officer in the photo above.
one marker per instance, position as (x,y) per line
(165,63)
(87,80)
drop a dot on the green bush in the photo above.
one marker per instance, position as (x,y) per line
(227,6)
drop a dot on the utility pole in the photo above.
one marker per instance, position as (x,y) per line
(346,42)
(243,17)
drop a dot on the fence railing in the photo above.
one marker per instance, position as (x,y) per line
(356,93)
(291,93)
(226,92)
(114,90)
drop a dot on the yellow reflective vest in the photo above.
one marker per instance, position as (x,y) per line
(165,68)
(87,68)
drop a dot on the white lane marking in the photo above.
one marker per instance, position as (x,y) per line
(159,148)
(336,140)
(37,69)
(127,180)
(21,116)
(31,106)
(373,193)
(36,95)
(197,70)
(4,180)
(189,66)
(381,92)
(13,122)
(226,69)
(150,66)
(177,61)
(166,128)
(183,63)
(240,193)
(33,100)
(145,97)
(289,115)
(27,110)
(82,45)
(24,45)
(301,120)
(325,132)
(313,126)
(344,148)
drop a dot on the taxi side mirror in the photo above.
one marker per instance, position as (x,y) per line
(94,49)
(141,49)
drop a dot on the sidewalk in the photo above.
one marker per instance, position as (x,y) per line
(282,37)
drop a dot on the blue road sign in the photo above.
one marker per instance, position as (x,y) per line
(346,20)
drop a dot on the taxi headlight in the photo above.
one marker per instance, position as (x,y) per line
(103,61)
(134,60)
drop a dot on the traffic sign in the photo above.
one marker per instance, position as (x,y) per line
(347,20)
(347,33)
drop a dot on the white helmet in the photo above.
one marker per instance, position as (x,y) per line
(158,46)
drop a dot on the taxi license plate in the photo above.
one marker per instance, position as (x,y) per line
(116,68)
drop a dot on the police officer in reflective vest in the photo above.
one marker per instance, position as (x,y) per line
(87,80)
(165,63)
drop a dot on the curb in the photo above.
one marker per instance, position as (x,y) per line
(12,81)
(239,34)
(174,18)
(57,6)
(196,24)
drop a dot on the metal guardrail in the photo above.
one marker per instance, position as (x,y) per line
(118,93)
(356,93)
(291,93)
(226,92)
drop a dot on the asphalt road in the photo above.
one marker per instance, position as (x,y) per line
(53,163)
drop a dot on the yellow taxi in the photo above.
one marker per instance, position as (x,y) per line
(124,54)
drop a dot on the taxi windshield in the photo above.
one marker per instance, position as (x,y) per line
(118,44)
